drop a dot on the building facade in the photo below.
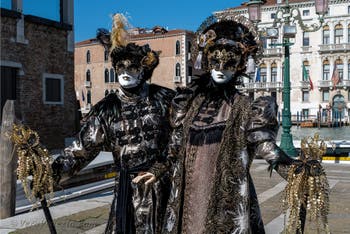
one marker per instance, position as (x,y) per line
(95,76)
(37,70)
(315,58)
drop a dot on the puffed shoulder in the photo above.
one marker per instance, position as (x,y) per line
(263,113)
(161,93)
(108,106)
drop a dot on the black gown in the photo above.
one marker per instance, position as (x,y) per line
(135,128)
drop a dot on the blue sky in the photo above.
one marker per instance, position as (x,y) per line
(92,14)
(174,14)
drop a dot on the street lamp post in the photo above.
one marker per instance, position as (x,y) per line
(286,15)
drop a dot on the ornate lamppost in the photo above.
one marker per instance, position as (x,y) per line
(286,18)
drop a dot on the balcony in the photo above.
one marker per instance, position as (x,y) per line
(328,84)
(177,79)
(305,84)
(334,48)
(88,84)
(272,52)
(258,86)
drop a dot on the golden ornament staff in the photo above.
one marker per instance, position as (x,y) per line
(34,160)
(307,192)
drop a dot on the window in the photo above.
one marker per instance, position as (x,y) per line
(305,73)
(305,113)
(274,95)
(106,75)
(306,12)
(88,57)
(325,96)
(348,9)
(251,95)
(306,39)
(189,70)
(53,88)
(349,95)
(273,42)
(189,47)
(88,75)
(325,35)
(305,96)
(338,34)
(273,72)
(88,97)
(326,69)
(264,42)
(177,70)
(273,15)
(177,48)
(106,55)
(348,70)
(263,73)
(340,68)
(106,92)
(349,33)
(111,75)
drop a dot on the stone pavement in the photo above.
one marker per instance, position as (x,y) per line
(90,215)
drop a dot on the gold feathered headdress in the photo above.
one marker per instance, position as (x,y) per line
(119,36)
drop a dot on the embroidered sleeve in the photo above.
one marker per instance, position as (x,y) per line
(262,130)
(88,143)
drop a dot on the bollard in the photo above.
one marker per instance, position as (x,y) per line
(7,163)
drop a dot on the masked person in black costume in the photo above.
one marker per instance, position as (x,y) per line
(133,124)
(218,133)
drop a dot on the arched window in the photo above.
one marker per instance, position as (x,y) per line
(177,48)
(88,75)
(326,70)
(106,75)
(111,75)
(306,70)
(88,97)
(263,73)
(340,67)
(112,91)
(189,47)
(325,35)
(177,70)
(106,55)
(338,34)
(106,92)
(273,72)
(88,57)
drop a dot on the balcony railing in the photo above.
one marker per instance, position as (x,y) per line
(331,48)
(261,86)
(305,84)
(329,84)
(88,84)
(273,52)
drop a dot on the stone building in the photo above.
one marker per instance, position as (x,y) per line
(314,55)
(37,67)
(95,77)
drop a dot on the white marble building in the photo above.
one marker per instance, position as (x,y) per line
(318,51)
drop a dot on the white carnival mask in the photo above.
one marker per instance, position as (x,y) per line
(221,76)
(129,75)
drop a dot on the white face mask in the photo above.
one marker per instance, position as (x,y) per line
(129,80)
(221,77)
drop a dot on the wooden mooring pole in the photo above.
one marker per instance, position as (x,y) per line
(7,163)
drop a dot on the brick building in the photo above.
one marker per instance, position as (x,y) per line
(95,77)
(37,67)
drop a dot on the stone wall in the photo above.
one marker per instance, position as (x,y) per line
(44,52)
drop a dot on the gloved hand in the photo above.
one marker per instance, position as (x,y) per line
(148,177)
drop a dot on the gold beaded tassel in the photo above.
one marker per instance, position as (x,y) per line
(33,160)
(308,187)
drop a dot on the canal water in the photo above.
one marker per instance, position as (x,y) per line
(298,133)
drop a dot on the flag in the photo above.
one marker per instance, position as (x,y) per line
(335,76)
(257,75)
(82,95)
(307,77)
